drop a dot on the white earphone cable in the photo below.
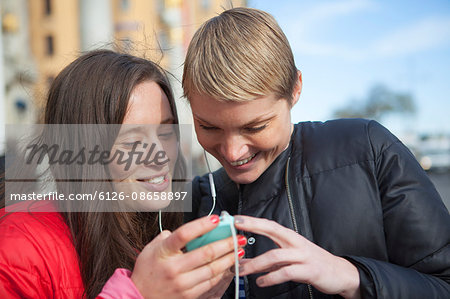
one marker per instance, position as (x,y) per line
(236,260)
(159,221)
(211,185)
(233,229)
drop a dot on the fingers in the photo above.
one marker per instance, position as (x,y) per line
(212,288)
(208,253)
(205,279)
(287,273)
(155,243)
(188,232)
(208,271)
(336,276)
(281,235)
(163,235)
(242,261)
(270,261)
(220,286)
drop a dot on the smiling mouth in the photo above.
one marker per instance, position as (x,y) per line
(242,162)
(156,180)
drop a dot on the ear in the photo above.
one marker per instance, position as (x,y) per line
(297,89)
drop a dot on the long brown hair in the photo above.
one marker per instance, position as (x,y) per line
(95,89)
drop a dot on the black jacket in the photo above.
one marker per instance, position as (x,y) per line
(356,191)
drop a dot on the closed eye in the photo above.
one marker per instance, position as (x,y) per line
(256,129)
(166,135)
(208,128)
(131,144)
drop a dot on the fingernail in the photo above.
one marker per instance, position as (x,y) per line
(260,281)
(214,219)
(232,270)
(238,220)
(242,240)
(241,252)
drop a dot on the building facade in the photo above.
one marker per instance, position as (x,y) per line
(156,29)
(40,37)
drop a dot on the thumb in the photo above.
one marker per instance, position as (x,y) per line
(163,235)
(155,243)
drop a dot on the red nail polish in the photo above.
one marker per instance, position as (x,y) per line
(241,252)
(242,240)
(214,219)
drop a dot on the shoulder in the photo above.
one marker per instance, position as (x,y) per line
(344,130)
(341,142)
(37,245)
(37,222)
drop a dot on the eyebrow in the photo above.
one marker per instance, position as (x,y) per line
(131,129)
(257,120)
(141,128)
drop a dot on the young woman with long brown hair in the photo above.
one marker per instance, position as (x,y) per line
(50,251)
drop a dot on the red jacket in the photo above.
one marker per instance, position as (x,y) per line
(38,258)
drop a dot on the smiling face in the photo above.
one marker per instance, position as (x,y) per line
(246,137)
(147,129)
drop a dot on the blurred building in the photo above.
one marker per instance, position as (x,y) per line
(54,39)
(40,37)
(434,152)
(18,70)
(157,29)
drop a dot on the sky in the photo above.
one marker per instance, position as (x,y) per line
(345,47)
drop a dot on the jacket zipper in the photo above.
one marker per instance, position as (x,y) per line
(239,211)
(291,208)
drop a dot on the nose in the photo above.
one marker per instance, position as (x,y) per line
(155,155)
(233,147)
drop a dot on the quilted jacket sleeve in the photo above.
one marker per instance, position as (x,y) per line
(22,284)
(21,265)
(417,227)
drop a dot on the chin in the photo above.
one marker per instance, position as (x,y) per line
(152,206)
(245,178)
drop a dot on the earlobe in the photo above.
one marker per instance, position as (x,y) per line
(297,89)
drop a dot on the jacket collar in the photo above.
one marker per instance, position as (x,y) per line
(271,182)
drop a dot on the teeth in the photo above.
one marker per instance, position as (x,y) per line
(241,162)
(157,180)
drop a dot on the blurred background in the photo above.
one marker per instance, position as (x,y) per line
(384,60)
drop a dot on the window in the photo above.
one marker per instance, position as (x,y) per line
(125,5)
(161,6)
(21,105)
(48,7)
(49,45)
(163,41)
(205,4)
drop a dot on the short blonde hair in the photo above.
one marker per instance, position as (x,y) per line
(240,55)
